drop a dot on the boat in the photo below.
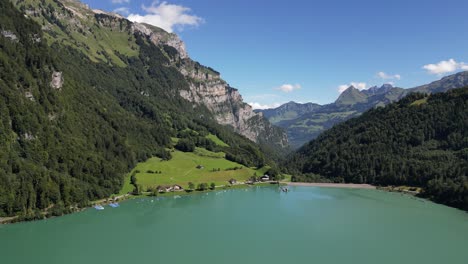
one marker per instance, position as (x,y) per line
(98,207)
(114,205)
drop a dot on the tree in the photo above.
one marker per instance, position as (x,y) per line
(137,190)
(202,186)
(274,174)
(212,186)
(133,179)
(185,145)
(191,186)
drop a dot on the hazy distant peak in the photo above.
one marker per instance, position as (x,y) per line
(386,86)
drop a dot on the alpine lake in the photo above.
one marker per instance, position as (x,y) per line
(253,225)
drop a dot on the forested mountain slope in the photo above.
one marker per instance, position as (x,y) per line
(72,124)
(419,141)
(109,38)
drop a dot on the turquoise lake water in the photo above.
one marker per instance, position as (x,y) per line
(256,225)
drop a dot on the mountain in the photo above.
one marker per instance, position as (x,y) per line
(351,96)
(351,103)
(419,141)
(375,90)
(288,111)
(445,84)
(105,37)
(85,95)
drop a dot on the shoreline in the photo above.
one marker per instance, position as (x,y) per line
(122,198)
(334,185)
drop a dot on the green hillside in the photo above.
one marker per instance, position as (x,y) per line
(70,139)
(182,169)
(420,141)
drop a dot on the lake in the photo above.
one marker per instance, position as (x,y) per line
(255,225)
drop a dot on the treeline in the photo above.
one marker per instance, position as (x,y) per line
(420,141)
(61,148)
(238,150)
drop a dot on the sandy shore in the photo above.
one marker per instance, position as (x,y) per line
(333,185)
(6,220)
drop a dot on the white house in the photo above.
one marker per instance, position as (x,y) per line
(265,178)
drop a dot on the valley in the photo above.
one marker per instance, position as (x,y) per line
(126,136)
(305,122)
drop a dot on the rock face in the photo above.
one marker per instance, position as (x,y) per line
(209,89)
(205,86)
(227,105)
(9,34)
(160,37)
(57,80)
(29,96)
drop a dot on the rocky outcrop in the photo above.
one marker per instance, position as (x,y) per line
(205,86)
(160,37)
(28,136)
(57,80)
(227,105)
(29,96)
(10,35)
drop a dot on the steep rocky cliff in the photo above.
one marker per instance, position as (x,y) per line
(209,89)
(108,37)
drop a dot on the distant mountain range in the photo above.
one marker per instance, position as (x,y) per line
(305,122)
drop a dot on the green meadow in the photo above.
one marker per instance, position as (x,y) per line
(216,140)
(182,169)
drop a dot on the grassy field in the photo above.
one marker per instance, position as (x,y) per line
(216,140)
(420,101)
(182,169)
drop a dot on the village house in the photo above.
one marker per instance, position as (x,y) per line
(169,188)
(265,178)
(177,188)
(232,181)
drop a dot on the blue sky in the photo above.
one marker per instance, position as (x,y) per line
(278,51)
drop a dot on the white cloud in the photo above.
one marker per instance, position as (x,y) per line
(264,106)
(167,16)
(386,76)
(357,85)
(120,1)
(445,67)
(287,88)
(122,10)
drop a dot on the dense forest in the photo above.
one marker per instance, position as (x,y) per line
(420,141)
(61,147)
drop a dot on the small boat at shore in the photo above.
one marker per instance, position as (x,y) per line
(99,207)
(114,205)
